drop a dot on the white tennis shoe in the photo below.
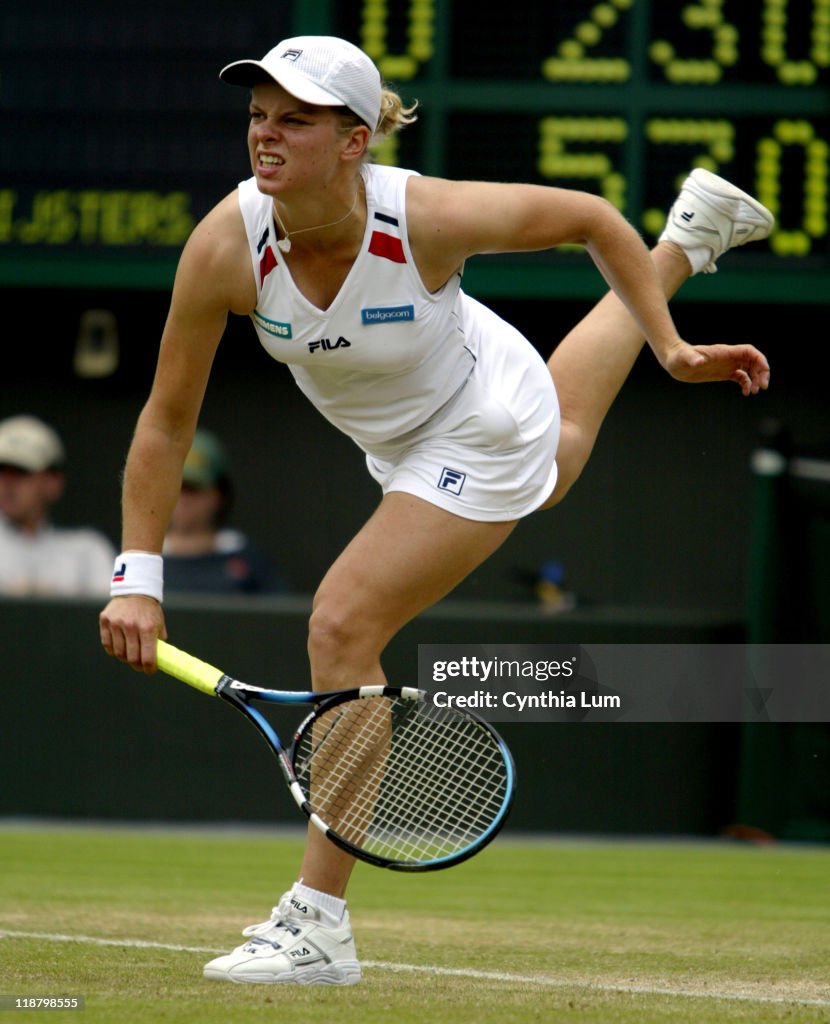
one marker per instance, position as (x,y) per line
(711,212)
(299,945)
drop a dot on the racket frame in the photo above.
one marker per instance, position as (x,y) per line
(239,695)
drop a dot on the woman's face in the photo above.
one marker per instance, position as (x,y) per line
(292,144)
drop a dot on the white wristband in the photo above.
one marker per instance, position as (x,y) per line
(138,572)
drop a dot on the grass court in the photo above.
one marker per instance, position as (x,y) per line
(616,932)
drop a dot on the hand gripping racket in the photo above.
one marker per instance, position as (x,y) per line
(382,771)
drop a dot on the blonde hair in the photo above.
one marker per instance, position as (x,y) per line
(393,115)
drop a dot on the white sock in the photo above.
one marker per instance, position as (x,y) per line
(699,257)
(332,906)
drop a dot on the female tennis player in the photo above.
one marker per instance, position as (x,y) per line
(351,275)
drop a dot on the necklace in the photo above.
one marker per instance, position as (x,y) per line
(284,243)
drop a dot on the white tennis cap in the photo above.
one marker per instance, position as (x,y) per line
(28,443)
(324,70)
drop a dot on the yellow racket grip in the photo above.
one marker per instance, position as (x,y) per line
(190,670)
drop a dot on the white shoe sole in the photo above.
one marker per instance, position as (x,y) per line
(343,972)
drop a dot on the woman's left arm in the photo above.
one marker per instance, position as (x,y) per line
(451,221)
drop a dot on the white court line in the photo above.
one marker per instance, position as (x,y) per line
(448,972)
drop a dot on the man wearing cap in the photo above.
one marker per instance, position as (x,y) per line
(202,553)
(37,557)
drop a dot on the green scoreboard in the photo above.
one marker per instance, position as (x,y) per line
(117,134)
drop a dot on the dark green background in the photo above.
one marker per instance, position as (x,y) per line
(107,98)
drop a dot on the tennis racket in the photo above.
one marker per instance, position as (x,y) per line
(381,770)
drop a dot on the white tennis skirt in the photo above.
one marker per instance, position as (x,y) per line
(490,453)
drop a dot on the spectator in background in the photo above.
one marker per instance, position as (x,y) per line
(201,552)
(37,557)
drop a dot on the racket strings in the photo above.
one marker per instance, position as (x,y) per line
(459,791)
(401,778)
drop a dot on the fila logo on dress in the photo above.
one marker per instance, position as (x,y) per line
(326,344)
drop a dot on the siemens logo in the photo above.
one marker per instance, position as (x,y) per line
(387,314)
(274,327)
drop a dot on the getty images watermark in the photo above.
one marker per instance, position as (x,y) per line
(630,682)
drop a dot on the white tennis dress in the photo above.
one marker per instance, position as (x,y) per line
(448,401)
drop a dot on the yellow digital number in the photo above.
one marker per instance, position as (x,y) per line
(795,241)
(774,20)
(706,16)
(557,160)
(420,38)
(572,61)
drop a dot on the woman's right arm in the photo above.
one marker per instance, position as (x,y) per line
(214,277)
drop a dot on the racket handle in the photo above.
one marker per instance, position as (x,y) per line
(190,670)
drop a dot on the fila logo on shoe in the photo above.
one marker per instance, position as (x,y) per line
(297,953)
(302,907)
